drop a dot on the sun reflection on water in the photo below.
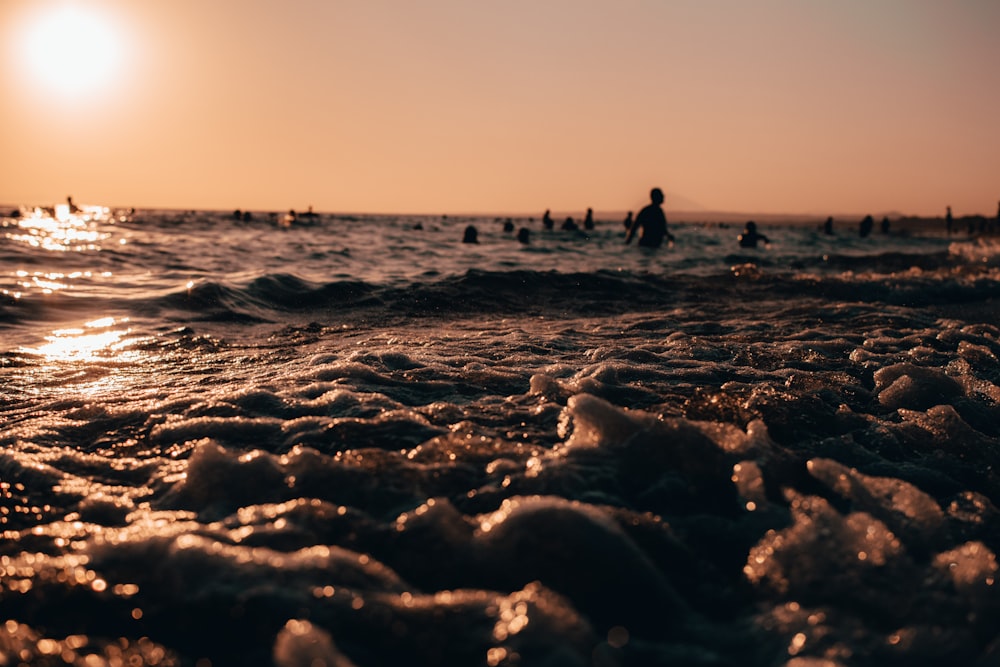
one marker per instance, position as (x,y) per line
(62,229)
(99,339)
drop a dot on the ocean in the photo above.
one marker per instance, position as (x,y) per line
(360,441)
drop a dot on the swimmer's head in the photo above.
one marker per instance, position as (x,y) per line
(656,194)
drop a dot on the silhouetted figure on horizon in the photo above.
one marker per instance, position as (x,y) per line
(948,221)
(569,225)
(508,225)
(73,208)
(309,216)
(547,220)
(828,226)
(588,220)
(471,235)
(865,228)
(628,221)
(750,236)
(523,235)
(652,221)
(885,225)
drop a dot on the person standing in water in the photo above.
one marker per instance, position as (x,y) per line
(865,226)
(547,220)
(652,221)
(750,236)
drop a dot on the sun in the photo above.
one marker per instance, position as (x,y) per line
(70,49)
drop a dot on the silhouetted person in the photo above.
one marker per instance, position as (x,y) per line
(309,216)
(73,208)
(750,237)
(865,228)
(508,225)
(652,221)
(828,226)
(237,214)
(471,235)
(588,220)
(948,221)
(628,221)
(523,235)
(569,225)
(547,220)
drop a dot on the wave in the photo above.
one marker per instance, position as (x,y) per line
(890,278)
(484,293)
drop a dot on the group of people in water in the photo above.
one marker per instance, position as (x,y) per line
(973,223)
(650,225)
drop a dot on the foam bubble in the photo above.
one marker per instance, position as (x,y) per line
(302,644)
(914,387)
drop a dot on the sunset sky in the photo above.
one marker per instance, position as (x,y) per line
(438,106)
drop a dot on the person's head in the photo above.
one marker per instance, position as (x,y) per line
(656,195)
(471,235)
(751,226)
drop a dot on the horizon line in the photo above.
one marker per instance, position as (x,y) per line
(695,215)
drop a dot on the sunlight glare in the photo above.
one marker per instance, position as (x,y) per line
(70,50)
(60,230)
(95,340)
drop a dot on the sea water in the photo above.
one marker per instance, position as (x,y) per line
(359,441)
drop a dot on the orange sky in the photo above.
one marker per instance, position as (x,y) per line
(440,106)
